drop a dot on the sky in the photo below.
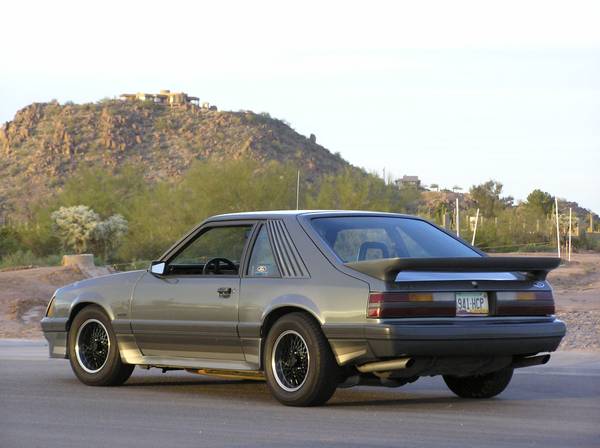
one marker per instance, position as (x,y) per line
(455,92)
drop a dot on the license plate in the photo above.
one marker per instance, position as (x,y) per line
(472,304)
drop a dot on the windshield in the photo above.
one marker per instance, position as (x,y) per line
(358,238)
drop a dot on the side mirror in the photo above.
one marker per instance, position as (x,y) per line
(158,267)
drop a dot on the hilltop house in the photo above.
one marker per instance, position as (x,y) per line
(409,181)
(164,97)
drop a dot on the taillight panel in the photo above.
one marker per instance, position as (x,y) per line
(409,304)
(524,303)
(389,304)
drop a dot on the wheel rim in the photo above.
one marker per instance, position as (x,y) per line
(290,361)
(92,345)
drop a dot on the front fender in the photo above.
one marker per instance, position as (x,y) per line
(112,293)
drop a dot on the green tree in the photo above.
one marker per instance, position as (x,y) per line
(487,198)
(355,191)
(9,240)
(539,202)
(104,191)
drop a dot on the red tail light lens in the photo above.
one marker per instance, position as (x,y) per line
(525,303)
(383,305)
(404,304)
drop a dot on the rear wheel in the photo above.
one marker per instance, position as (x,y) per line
(93,350)
(479,386)
(299,365)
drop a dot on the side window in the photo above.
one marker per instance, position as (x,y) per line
(217,251)
(262,262)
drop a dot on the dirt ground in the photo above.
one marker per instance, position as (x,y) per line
(577,293)
(24,294)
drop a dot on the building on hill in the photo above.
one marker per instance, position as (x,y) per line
(409,181)
(164,97)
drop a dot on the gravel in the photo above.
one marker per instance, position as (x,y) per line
(583,330)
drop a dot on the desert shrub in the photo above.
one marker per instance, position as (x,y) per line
(75,227)
(27,258)
(109,233)
(80,229)
(9,240)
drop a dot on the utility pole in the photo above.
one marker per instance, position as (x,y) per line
(570,215)
(557,229)
(298,191)
(475,230)
(457,219)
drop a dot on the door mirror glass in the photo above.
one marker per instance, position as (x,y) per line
(158,267)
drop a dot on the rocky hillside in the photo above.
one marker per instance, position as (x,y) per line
(47,141)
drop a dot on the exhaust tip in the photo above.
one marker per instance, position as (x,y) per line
(531,361)
(386,366)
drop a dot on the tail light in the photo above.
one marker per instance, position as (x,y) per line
(525,303)
(383,305)
(409,304)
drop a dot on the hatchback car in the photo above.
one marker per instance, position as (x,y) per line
(312,301)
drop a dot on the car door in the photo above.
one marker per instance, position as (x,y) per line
(192,310)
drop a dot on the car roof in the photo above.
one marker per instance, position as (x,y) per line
(280,214)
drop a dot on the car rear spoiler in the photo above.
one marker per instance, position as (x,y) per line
(387,269)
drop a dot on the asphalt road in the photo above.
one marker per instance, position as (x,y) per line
(43,405)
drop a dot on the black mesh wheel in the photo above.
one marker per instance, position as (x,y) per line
(92,345)
(299,364)
(94,351)
(290,360)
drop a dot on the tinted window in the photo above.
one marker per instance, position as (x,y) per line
(366,238)
(262,262)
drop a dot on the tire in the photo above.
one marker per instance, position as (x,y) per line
(100,364)
(313,375)
(480,386)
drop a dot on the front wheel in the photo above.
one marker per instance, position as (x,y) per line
(93,350)
(479,386)
(299,365)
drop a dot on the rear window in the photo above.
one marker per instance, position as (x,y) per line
(361,238)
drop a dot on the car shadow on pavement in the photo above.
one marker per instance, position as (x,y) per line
(257,391)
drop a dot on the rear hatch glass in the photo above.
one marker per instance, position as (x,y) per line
(360,238)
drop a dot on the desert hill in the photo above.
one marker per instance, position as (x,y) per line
(45,142)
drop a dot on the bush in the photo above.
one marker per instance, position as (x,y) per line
(9,240)
(27,258)
(80,228)
(75,227)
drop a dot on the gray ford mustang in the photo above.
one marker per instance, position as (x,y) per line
(313,301)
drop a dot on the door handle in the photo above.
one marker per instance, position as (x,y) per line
(224,293)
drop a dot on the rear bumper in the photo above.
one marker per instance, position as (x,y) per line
(446,337)
(465,338)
